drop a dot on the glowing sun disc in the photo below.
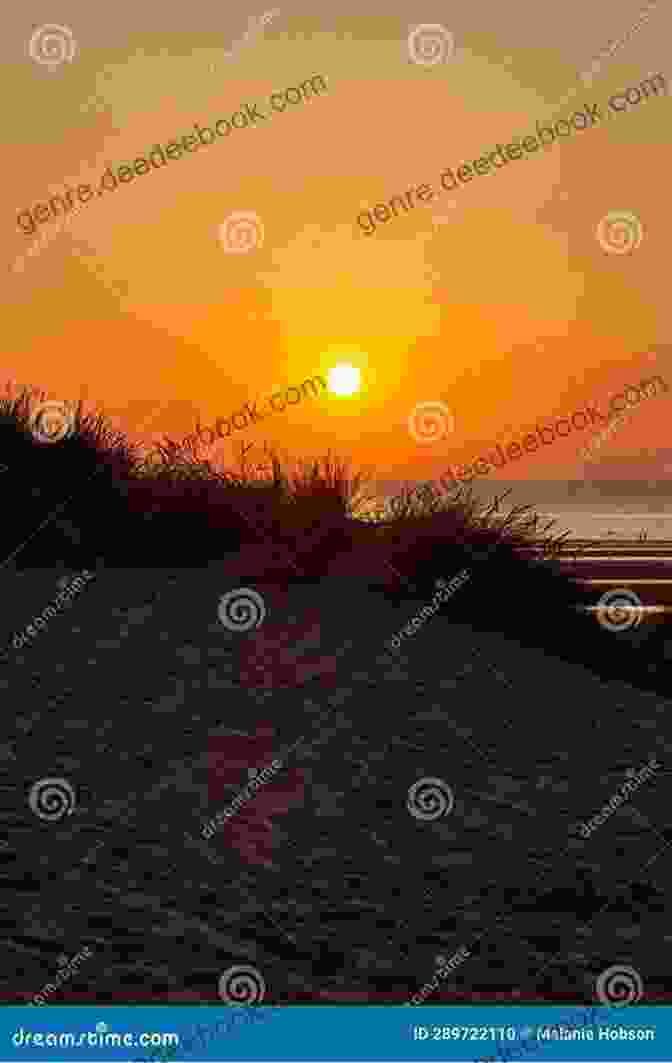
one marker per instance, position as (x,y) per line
(344,380)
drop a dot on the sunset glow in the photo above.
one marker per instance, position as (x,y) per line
(344,380)
(374,277)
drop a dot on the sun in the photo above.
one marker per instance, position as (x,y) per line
(344,380)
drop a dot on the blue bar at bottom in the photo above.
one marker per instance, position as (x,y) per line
(337,1034)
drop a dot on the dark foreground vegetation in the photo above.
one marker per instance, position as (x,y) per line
(93,500)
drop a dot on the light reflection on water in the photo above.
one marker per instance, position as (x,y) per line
(579,523)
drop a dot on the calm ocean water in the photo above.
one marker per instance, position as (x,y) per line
(612,525)
(606,516)
(609,525)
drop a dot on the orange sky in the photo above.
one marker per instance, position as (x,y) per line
(509,310)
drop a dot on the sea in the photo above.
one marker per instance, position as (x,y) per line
(599,511)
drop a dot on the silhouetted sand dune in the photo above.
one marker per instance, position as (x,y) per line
(156,711)
(342,891)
